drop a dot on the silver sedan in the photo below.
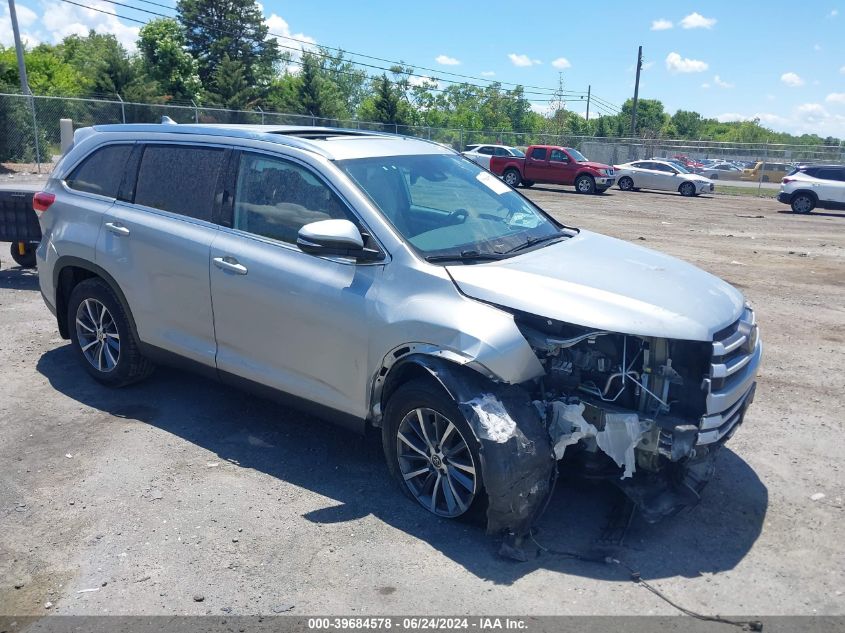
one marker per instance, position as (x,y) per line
(662,175)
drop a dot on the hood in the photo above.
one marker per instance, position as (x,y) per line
(607,284)
(696,177)
(589,163)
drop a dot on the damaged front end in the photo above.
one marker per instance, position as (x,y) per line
(649,414)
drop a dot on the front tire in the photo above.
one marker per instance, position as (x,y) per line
(687,189)
(102,336)
(802,203)
(585,184)
(512,177)
(626,183)
(431,451)
(27,260)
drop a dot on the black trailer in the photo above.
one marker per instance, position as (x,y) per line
(19,225)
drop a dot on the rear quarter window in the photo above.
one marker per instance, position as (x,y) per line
(538,153)
(179,179)
(101,172)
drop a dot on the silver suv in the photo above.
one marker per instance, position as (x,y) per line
(388,282)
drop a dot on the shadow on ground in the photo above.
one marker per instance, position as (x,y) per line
(302,450)
(17,278)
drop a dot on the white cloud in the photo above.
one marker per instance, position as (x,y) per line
(26,19)
(677,64)
(833,13)
(705,85)
(842,70)
(661,25)
(277,25)
(792,80)
(561,62)
(817,47)
(836,97)
(771,97)
(488,73)
(430,82)
(807,118)
(721,83)
(445,60)
(697,21)
(61,20)
(523,61)
(647,65)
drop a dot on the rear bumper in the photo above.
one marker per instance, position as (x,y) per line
(785,198)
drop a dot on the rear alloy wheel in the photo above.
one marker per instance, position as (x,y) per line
(626,183)
(687,189)
(511,177)
(802,203)
(585,184)
(431,450)
(714,176)
(102,336)
(25,260)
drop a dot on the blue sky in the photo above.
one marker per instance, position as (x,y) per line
(779,61)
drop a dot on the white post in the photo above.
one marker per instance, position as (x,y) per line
(65,134)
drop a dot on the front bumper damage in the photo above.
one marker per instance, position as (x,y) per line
(653,430)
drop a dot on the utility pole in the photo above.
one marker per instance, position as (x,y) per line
(19,48)
(636,92)
(588,103)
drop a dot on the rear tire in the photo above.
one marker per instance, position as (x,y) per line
(425,438)
(512,177)
(585,184)
(802,203)
(626,183)
(687,189)
(527,183)
(102,336)
(27,260)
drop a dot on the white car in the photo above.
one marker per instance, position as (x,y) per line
(663,175)
(481,154)
(721,171)
(814,186)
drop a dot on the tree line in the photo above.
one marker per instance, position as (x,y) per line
(220,53)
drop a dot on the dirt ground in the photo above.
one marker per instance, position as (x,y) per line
(179,496)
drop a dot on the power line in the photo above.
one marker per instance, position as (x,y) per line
(545,91)
(572,95)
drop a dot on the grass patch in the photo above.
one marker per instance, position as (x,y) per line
(747,191)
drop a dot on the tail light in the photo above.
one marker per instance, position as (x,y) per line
(42,200)
(787,181)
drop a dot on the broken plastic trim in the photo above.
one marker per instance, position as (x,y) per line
(517,462)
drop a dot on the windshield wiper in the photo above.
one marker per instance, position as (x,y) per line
(465,256)
(538,240)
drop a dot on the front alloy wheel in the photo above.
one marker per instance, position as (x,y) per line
(96,331)
(436,462)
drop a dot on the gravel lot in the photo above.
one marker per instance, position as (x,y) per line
(180,496)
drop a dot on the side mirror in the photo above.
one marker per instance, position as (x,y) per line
(335,237)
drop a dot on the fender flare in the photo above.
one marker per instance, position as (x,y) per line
(518,468)
(66,261)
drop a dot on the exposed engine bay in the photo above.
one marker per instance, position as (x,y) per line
(629,409)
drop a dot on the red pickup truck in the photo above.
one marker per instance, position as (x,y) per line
(555,165)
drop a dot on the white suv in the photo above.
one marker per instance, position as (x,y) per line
(814,186)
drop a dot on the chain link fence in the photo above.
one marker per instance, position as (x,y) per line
(29,132)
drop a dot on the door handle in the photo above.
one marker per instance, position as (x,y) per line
(117,228)
(231,264)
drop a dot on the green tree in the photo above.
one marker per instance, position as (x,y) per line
(386,104)
(164,59)
(102,60)
(650,115)
(47,72)
(601,127)
(231,88)
(688,124)
(215,28)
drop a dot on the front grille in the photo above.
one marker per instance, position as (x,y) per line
(730,385)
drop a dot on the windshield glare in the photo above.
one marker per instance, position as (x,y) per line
(578,156)
(681,168)
(445,205)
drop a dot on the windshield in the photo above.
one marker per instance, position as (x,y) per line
(578,156)
(517,152)
(447,206)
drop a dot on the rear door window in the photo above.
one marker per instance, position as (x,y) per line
(830,174)
(180,179)
(102,172)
